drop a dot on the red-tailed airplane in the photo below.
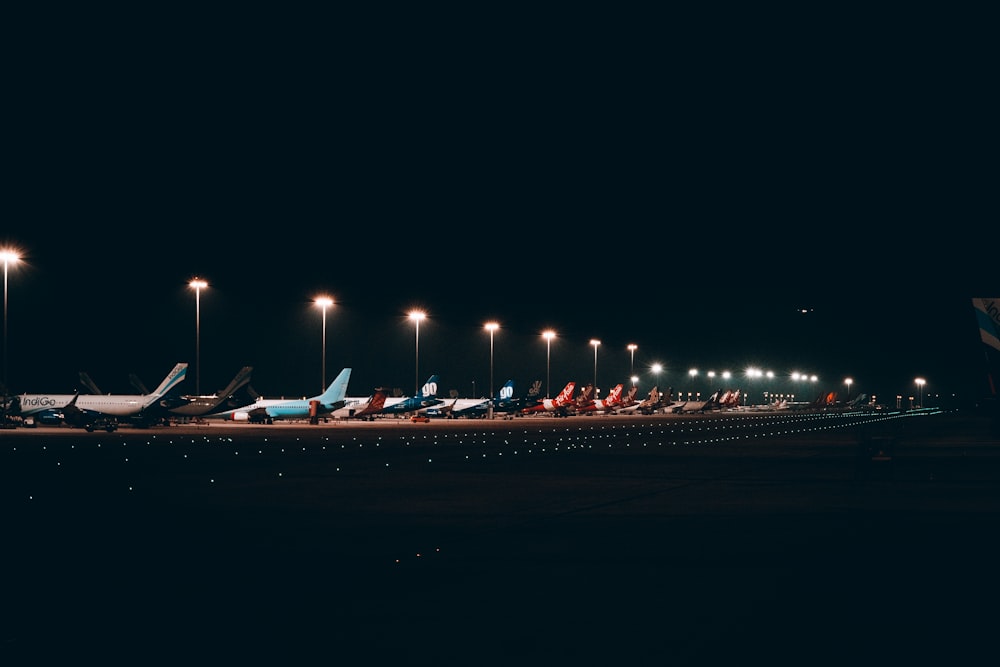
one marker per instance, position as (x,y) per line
(605,404)
(628,400)
(561,405)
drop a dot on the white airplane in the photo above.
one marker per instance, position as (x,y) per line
(561,405)
(361,408)
(473,407)
(711,403)
(605,404)
(236,395)
(655,401)
(102,410)
(266,410)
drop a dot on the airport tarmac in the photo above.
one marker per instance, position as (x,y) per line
(641,540)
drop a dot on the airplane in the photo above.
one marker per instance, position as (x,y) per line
(561,405)
(444,408)
(988,319)
(729,399)
(427,397)
(653,402)
(237,394)
(364,409)
(711,403)
(266,410)
(606,404)
(627,401)
(858,401)
(92,411)
(583,399)
(505,402)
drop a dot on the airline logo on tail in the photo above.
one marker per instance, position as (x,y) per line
(566,395)
(988,317)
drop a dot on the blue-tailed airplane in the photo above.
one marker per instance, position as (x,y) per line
(266,410)
(505,402)
(399,405)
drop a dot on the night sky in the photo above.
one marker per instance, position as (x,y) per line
(686,188)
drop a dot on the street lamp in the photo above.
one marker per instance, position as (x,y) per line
(491,327)
(416,316)
(595,343)
(198,284)
(548,336)
(656,368)
(9,257)
(848,382)
(920,383)
(323,302)
(632,347)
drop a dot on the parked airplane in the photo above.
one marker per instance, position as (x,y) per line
(465,407)
(858,401)
(92,411)
(560,406)
(729,399)
(710,403)
(236,395)
(505,402)
(583,399)
(362,408)
(605,404)
(653,402)
(627,401)
(427,397)
(266,410)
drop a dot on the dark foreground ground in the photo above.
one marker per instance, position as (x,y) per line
(651,540)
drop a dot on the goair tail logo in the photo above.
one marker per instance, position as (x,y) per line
(429,389)
(506,392)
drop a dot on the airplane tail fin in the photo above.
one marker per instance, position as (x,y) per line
(430,388)
(174,378)
(137,383)
(242,379)
(89,384)
(535,389)
(506,392)
(337,391)
(988,319)
(566,395)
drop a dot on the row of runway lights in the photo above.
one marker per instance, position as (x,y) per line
(571,441)
(567,441)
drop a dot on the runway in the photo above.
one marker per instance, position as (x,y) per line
(654,539)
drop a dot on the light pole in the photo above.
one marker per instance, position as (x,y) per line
(548,336)
(848,382)
(595,343)
(920,383)
(198,284)
(416,316)
(656,368)
(9,257)
(632,347)
(323,302)
(491,327)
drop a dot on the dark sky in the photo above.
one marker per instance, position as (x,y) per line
(674,181)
